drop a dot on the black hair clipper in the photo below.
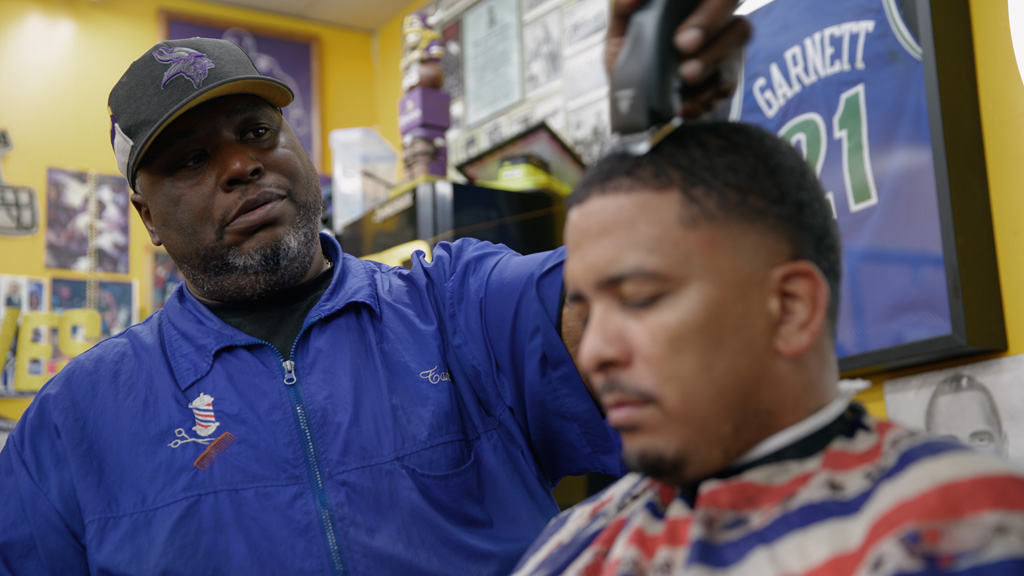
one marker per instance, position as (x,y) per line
(646,91)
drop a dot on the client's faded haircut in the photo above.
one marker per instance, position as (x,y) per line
(732,172)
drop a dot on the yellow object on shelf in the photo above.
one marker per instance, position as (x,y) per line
(525,173)
(406,186)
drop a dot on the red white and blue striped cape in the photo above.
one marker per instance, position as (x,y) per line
(872,498)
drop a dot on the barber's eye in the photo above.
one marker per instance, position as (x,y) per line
(258,133)
(193,160)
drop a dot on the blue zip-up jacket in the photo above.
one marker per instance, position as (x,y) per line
(418,429)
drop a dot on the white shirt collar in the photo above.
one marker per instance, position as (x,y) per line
(796,432)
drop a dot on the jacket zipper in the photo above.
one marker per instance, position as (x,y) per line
(313,465)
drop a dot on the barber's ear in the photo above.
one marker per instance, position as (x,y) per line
(801,306)
(142,207)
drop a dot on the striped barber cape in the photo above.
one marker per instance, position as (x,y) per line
(859,497)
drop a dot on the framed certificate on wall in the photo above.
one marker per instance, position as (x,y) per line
(492,73)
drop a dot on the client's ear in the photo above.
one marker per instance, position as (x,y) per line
(802,295)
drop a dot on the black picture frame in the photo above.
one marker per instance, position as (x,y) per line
(965,218)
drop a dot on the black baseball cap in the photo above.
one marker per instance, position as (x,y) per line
(171,78)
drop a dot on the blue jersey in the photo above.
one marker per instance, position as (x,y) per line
(844,82)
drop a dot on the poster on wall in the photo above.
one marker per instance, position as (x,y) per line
(542,58)
(287,57)
(469,144)
(493,81)
(15,293)
(550,110)
(69,224)
(492,133)
(980,404)
(585,79)
(451,63)
(18,295)
(590,129)
(846,85)
(585,24)
(166,278)
(115,301)
(533,8)
(22,293)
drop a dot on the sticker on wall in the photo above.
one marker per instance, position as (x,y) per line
(452,60)
(585,24)
(542,54)
(981,404)
(590,129)
(19,209)
(18,295)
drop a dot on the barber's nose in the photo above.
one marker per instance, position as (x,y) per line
(241,166)
(604,344)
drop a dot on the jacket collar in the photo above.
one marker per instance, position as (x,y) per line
(192,334)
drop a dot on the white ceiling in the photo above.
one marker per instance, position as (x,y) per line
(363,14)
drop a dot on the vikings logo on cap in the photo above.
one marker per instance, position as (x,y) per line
(186,62)
(169,79)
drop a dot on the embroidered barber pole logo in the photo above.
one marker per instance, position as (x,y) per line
(206,422)
(202,409)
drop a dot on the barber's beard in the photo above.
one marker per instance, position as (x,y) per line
(234,274)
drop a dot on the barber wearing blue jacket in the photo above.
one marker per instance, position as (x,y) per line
(292,409)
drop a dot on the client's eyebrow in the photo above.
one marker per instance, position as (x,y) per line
(613,282)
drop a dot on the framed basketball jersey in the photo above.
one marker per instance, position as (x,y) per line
(854,85)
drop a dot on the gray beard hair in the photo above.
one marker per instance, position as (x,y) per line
(245,276)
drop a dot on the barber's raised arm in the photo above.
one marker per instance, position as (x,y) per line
(710,43)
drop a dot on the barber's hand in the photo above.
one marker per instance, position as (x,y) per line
(710,43)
